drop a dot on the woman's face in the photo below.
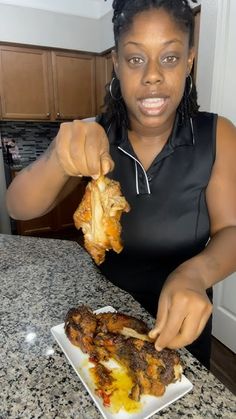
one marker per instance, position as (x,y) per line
(152,63)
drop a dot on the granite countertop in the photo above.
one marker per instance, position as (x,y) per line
(40,280)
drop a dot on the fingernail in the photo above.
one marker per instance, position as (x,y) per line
(158,348)
(95,177)
(154,332)
(106,166)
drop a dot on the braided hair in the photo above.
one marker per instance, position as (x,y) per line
(123,15)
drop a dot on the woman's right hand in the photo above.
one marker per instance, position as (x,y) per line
(82,149)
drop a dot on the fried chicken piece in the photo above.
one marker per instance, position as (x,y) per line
(116,322)
(102,375)
(160,370)
(101,337)
(80,326)
(150,370)
(85,329)
(99,216)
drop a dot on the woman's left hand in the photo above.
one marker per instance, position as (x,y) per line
(182,314)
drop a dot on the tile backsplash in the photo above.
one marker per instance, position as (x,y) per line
(31,138)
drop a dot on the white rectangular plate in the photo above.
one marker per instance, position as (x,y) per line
(81,365)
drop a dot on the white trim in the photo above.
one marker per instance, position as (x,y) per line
(193,137)
(137,161)
(136,177)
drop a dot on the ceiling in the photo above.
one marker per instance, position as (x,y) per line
(86,8)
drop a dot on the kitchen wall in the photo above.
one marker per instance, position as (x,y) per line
(216,90)
(216,82)
(45,28)
(206,52)
(58,30)
(106,31)
(31,138)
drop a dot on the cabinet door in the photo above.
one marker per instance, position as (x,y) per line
(57,220)
(74,85)
(38,226)
(104,67)
(24,83)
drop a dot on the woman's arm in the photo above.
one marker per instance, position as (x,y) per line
(36,189)
(80,148)
(184,307)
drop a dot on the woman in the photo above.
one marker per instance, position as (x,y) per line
(175,166)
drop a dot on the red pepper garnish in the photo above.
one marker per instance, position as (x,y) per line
(104,396)
(93,359)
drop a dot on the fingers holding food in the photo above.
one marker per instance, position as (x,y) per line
(181,317)
(82,149)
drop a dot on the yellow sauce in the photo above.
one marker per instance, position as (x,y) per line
(119,391)
(120,396)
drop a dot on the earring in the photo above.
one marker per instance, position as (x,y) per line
(112,86)
(189,80)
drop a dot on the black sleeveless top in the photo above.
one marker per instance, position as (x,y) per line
(168,222)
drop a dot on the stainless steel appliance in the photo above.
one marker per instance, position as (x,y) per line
(5,225)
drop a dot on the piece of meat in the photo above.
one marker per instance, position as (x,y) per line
(135,393)
(102,375)
(103,380)
(116,322)
(98,215)
(80,326)
(101,337)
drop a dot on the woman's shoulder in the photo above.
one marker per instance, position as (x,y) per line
(225,139)
(225,135)
(225,126)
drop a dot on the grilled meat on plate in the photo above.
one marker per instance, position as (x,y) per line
(100,336)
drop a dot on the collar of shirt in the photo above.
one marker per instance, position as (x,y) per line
(181,135)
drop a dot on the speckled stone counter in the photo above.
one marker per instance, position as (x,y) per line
(40,280)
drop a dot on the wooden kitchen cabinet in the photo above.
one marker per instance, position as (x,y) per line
(43,84)
(73,85)
(38,226)
(57,221)
(25,85)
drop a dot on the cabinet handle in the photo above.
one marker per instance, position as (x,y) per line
(48,114)
(58,114)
